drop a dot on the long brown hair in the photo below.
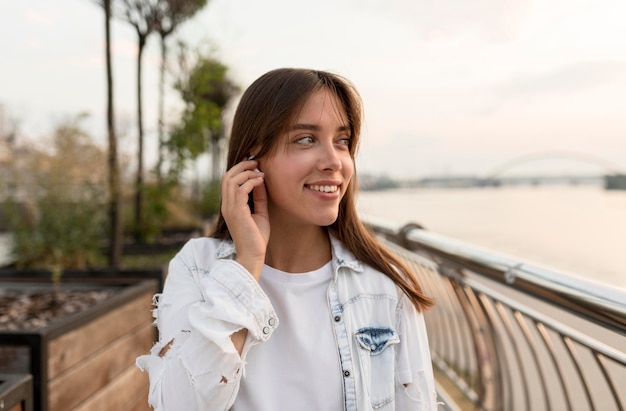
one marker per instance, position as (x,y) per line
(266,109)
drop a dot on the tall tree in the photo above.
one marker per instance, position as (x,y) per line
(206,89)
(172,13)
(114,202)
(143,16)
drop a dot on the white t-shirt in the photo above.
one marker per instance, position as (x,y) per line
(298,368)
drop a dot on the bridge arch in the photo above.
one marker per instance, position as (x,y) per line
(603,164)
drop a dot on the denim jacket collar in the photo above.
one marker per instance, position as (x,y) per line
(342,257)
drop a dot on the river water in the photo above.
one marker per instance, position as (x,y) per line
(578,230)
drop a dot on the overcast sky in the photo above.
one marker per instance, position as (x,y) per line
(450,86)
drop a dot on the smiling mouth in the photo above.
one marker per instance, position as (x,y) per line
(323,189)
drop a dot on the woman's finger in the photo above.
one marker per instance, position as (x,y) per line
(238,183)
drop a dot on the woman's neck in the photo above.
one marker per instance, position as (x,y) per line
(298,250)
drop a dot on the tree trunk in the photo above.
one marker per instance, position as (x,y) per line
(139,182)
(215,155)
(115,235)
(161,108)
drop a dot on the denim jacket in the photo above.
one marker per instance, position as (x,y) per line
(381,338)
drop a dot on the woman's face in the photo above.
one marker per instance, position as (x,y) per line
(308,174)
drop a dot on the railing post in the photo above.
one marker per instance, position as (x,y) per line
(489,389)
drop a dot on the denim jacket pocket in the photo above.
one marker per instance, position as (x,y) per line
(377,357)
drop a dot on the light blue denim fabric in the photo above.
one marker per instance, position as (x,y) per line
(381,338)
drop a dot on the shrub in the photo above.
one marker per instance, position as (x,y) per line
(209,203)
(57,212)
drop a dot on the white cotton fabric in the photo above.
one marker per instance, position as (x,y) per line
(298,368)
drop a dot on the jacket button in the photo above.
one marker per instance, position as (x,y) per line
(266,330)
(337,318)
(346,373)
(272,321)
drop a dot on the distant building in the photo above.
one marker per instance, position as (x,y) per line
(615,182)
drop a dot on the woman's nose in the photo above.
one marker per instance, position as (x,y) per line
(330,158)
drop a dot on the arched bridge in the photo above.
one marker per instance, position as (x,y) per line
(607,168)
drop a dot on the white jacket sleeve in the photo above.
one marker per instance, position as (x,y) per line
(204,302)
(415,382)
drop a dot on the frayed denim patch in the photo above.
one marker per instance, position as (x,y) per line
(376,339)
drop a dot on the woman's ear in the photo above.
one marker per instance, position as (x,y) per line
(254,152)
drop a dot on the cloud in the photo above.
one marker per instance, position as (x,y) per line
(38,19)
(406,153)
(573,77)
(435,21)
(125,47)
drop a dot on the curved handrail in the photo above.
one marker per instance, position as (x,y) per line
(598,302)
(495,343)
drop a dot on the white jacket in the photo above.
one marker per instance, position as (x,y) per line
(381,338)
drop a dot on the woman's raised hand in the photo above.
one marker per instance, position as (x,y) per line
(250,232)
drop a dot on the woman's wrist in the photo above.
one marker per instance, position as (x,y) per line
(253,265)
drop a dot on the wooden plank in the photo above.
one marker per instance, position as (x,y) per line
(95,372)
(128,392)
(71,348)
(16,392)
(142,403)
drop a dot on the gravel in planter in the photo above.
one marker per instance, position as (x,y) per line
(30,309)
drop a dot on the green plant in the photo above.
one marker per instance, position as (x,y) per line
(209,202)
(154,211)
(55,231)
(57,213)
(166,206)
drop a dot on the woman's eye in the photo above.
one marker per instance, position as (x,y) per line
(305,140)
(344,141)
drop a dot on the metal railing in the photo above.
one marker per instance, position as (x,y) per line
(507,335)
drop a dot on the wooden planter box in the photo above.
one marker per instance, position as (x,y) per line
(93,276)
(86,361)
(16,392)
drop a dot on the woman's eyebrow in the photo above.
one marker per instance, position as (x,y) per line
(302,126)
(314,127)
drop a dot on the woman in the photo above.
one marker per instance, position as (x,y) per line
(351,333)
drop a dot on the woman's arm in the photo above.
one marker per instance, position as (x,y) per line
(195,365)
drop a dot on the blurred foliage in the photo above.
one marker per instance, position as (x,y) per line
(206,90)
(167,205)
(154,211)
(56,205)
(140,262)
(209,199)
(54,198)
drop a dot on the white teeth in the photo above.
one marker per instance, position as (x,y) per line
(324,189)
